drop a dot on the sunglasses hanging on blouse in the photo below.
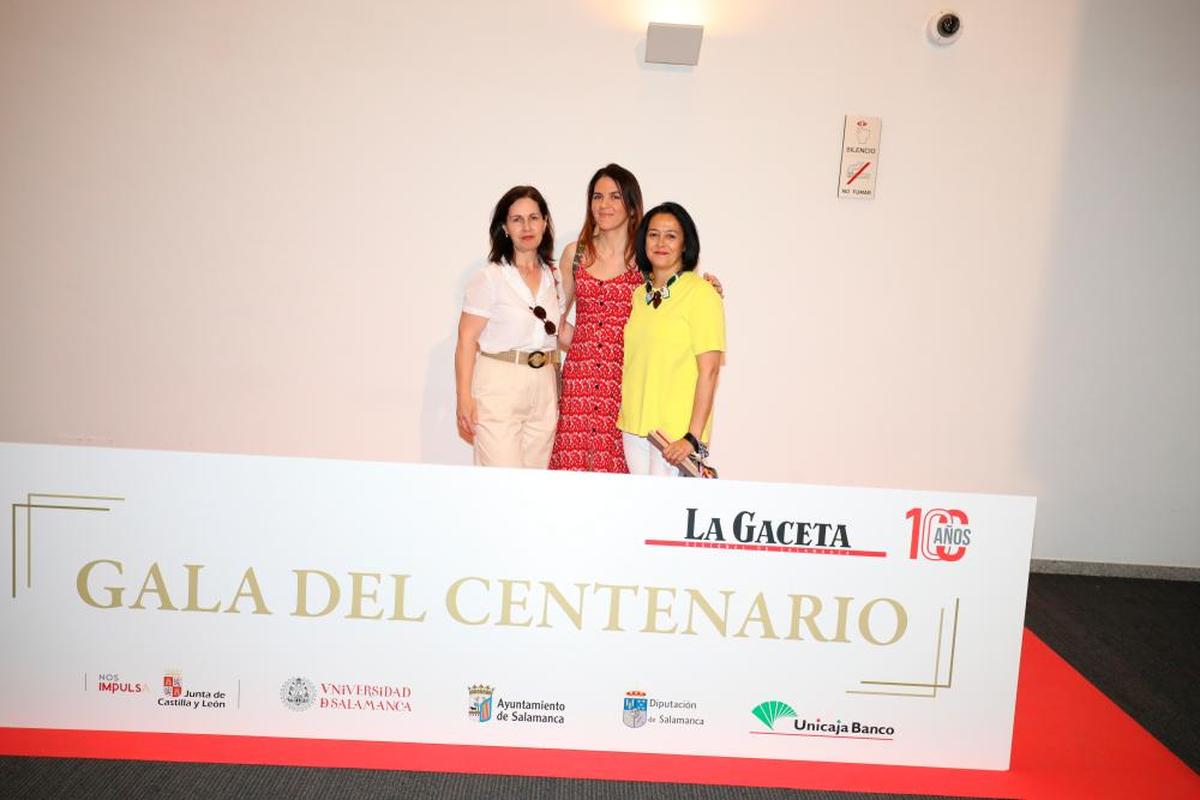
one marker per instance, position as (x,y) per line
(540,313)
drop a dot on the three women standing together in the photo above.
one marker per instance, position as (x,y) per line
(643,356)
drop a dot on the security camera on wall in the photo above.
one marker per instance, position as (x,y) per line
(945,27)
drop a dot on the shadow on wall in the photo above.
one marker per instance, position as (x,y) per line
(1113,441)
(440,443)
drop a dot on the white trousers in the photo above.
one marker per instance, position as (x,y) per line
(643,458)
(518,410)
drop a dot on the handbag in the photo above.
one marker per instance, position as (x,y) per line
(694,466)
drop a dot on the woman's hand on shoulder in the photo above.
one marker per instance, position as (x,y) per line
(716,284)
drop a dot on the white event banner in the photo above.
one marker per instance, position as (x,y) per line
(304,598)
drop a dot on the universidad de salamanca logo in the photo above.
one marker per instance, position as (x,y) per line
(297,693)
(300,694)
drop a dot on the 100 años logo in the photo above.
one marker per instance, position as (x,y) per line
(939,534)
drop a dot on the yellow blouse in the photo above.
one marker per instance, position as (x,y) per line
(658,383)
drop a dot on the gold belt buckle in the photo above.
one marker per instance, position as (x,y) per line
(537,359)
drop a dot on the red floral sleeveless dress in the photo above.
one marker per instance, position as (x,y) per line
(587,438)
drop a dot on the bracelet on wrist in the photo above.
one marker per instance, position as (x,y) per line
(693,441)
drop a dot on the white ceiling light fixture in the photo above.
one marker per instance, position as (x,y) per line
(668,43)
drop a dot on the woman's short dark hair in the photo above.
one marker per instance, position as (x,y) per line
(691,239)
(502,246)
(631,195)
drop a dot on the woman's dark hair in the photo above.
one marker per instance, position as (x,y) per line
(631,194)
(691,239)
(502,246)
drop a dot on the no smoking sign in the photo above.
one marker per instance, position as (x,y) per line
(860,157)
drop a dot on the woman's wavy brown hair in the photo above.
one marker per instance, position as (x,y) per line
(631,193)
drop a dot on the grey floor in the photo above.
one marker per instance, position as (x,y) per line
(46,778)
(1134,639)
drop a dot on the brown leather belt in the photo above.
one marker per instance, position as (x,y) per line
(537,359)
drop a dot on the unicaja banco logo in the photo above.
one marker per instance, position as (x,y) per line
(480,708)
(771,711)
(939,534)
(298,694)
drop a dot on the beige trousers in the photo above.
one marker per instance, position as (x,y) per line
(518,411)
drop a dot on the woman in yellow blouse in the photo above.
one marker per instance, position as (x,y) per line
(674,342)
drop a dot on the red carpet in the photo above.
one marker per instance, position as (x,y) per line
(1070,741)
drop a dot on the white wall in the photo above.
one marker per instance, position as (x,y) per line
(244,227)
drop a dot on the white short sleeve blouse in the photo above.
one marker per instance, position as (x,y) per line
(498,293)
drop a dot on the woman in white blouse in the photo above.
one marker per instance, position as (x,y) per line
(505,361)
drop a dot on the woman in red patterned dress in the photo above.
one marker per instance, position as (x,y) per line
(601,282)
